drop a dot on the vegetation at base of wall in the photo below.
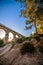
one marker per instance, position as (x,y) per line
(41,35)
(41,49)
(27,48)
(27,38)
(20,40)
(40,46)
(36,36)
(1,43)
(13,43)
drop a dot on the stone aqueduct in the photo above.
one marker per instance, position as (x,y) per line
(7,30)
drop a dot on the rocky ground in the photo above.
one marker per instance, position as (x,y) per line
(14,57)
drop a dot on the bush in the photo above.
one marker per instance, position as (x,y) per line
(1,43)
(27,48)
(19,40)
(26,38)
(40,46)
(41,49)
(35,36)
(41,35)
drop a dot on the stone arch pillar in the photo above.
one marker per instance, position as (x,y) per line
(14,37)
(6,36)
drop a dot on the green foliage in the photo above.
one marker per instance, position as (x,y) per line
(33,13)
(40,46)
(1,43)
(39,13)
(35,36)
(26,38)
(19,40)
(41,49)
(27,48)
(13,43)
(41,35)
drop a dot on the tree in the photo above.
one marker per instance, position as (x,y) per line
(40,29)
(34,14)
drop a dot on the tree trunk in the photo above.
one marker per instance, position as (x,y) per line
(35,26)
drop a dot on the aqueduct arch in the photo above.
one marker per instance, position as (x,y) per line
(7,30)
(2,33)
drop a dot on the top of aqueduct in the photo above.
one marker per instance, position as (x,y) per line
(6,29)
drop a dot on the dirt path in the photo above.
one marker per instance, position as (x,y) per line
(5,49)
(11,55)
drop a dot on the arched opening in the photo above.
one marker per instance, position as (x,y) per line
(10,38)
(16,36)
(2,34)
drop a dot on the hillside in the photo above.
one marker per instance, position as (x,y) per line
(14,57)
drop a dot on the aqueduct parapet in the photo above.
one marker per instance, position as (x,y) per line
(7,30)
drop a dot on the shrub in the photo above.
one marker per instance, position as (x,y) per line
(1,43)
(40,46)
(26,38)
(41,35)
(13,43)
(35,36)
(27,48)
(19,40)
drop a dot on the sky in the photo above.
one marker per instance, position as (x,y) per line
(10,17)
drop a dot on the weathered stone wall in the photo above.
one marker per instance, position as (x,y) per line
(7,30)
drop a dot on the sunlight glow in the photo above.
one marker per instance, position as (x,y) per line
(16,36)
(10,36)
(2,33)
